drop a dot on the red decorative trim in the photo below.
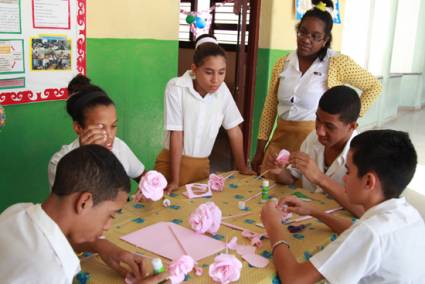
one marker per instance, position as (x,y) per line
(81,42)
(52,94)
(27,96)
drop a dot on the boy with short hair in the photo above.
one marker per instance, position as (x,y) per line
(320,163)
(386,245)
(37,242)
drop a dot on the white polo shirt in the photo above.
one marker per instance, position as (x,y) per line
(33,248)
(132,165)
(299,94)
(336,171)
(199,117)
(387,245)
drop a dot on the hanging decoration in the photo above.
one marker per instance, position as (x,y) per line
(200,22)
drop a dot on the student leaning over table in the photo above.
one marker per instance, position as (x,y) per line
(386,245)
(37,241)
(298,81)
(320,161)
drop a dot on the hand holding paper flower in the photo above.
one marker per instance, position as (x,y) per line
(283,157)
(225,269)
(151,186)
(206,218)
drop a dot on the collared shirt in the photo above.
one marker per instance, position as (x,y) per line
(33,248)
(132,165)
(199,117)
(336,171)
(299,94)
(386,245)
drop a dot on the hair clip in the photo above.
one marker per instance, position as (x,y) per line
(321,6)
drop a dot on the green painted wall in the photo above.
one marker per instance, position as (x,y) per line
(266,58)
(133,72)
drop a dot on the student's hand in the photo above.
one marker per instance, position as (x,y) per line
(93,134)
(275,167)
(113,256)
(146,279)
(307,166)
(271,215)
(256,162)
(297,206)
(171,187)
(247,171)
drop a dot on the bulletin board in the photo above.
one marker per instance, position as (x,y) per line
(42,47)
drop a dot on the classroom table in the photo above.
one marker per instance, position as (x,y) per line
(135,216)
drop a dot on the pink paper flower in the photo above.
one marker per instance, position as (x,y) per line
(283,156)
(152,186)
(225,269)
(179,268)
(206,218)
(216,182)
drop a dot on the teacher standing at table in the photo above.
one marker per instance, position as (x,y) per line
(299,80)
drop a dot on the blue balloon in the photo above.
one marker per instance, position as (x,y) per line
(200,23)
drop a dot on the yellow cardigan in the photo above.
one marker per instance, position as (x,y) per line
(342,70)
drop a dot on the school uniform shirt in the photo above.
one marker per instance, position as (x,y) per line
(132,165)
(299,94)
(199,117)
(336,171)
(386,245)
(33,248)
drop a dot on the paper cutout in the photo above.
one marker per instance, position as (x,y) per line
(158,239)
(197,190)
(283,156)
(256,260)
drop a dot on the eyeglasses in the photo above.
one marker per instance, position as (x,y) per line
(302,33)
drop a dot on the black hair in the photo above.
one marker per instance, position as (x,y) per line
(326,18)
(388,153)
(91,168)
(85,99)
(206,49)
(341,100)
(77,83)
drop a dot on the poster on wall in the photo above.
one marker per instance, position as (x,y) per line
(301,6)
(42,47)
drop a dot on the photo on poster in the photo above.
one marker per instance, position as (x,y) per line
(52,53)
(10,16)
(11,56)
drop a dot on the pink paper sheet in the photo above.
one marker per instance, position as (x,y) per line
(159,239)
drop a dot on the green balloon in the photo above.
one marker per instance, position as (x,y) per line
(190,19)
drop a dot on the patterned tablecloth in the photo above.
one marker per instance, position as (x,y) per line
(237,187)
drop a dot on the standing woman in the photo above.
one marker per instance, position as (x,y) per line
(299,80)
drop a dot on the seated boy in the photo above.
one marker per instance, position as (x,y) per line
(320,163)
(37,242)
(386,245)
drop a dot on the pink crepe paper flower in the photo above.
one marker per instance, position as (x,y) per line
(151,186)
(216,182)
(179,268)
(225,269)
(283,156)
(206,218)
